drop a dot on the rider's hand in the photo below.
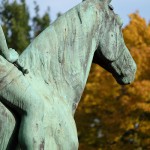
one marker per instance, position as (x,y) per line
(12,55)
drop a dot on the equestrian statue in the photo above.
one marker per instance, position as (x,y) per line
(40,89)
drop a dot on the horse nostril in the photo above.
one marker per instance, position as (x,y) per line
(126,80)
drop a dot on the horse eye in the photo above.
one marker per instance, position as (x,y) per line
(111,7)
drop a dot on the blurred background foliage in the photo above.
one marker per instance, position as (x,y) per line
(109,116)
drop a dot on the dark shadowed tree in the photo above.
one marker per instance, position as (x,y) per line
(15,22)
(40,23)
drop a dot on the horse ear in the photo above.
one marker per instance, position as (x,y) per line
(107,1)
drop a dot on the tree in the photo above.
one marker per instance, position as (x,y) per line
(137,32)
(15,20)
(40,23)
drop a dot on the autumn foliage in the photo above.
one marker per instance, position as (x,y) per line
(114,117)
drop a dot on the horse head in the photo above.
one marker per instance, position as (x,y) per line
(112,53)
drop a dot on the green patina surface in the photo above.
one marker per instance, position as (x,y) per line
(58,61)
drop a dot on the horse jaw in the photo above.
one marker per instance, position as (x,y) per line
(124,68)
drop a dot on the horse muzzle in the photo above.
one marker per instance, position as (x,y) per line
(124,71)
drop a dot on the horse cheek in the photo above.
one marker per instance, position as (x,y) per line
(108,49)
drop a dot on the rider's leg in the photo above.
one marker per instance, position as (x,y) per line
(18,93)
(30,104)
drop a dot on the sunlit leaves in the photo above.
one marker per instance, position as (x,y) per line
(137,33)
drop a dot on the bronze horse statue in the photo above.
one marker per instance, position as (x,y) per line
(37,110)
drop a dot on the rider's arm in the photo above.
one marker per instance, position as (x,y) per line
(10,54)
(3,44)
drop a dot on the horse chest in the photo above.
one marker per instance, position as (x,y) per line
(60,130)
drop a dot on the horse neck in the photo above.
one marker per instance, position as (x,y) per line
(70,68)
(63,59)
